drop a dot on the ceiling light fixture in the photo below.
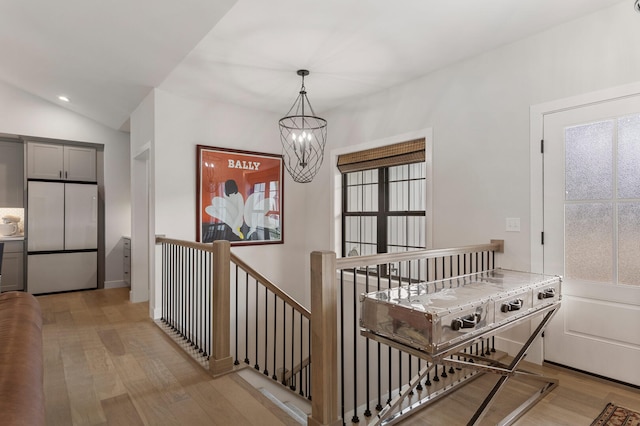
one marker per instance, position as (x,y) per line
(303,138)
(636,6)
(63,98)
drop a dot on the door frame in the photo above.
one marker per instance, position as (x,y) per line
(536,128)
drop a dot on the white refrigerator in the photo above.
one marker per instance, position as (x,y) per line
(62,236)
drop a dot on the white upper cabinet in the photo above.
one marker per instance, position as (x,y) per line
(61,162)
(79,163)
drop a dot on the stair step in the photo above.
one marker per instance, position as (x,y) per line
(289,408)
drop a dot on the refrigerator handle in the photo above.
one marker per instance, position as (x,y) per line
(94,208)
(60,174)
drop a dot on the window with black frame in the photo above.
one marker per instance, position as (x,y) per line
(384,199)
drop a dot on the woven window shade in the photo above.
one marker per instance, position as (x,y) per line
(384,156)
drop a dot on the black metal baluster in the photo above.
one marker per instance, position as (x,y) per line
(389,359)
(310,366)
(192,307)
(274,376)
(355,418)
(342,372)
(200,301)
(434,269)
(379,405)
(418,279)
(367,411)
(399,352)
(246,320)
(301,358)
(185,300)
(173,296)
(237,362)
(292,379)
(257,311)
(284,337)
(266,330)
(164,283)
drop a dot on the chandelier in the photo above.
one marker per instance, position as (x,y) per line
(303,136)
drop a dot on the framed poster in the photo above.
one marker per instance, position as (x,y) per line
(239,196)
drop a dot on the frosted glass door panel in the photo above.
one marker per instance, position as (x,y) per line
(629,157)
(628,243)
(589,161)
(589,245)
(45,216)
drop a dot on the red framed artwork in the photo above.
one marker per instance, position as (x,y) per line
(239,196)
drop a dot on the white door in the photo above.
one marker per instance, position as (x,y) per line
(592,236)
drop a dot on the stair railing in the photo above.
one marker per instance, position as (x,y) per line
(230,315)
(353,377)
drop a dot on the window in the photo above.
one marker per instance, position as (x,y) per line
(384,199)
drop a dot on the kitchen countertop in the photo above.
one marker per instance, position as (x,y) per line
(12,238)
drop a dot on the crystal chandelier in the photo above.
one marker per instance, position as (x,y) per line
(303,136)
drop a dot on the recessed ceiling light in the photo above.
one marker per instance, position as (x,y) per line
(63,98)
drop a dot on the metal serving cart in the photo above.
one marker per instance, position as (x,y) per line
(436,320)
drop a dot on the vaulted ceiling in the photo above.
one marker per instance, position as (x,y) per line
(107,55)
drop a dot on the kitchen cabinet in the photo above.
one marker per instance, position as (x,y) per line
(11,174)
(12,266)
(61,162)
(127,261)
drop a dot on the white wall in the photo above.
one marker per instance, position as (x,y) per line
(27,115)
(479,112)
(142,230)
(180,125)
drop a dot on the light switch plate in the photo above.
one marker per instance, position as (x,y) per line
(513,224)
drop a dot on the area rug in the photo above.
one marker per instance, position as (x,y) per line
(615,415)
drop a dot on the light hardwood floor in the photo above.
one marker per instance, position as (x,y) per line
(107,363)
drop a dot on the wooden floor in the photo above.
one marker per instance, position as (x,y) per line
(107,363)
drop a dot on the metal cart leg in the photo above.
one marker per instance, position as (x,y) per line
(550,384)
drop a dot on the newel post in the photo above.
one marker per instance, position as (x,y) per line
(221,360)
(324,342)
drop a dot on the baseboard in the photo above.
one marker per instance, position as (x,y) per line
(511,347)
(115,284)
(156,313)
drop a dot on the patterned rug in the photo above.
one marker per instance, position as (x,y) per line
(615,415)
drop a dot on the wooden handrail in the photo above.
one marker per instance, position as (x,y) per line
(272,287)
(298,368)
(379,259)
(189,244)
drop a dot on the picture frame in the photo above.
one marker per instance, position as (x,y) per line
(239,196)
